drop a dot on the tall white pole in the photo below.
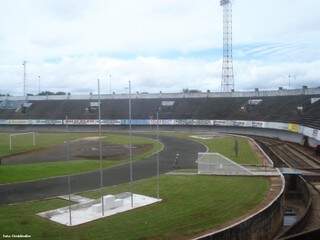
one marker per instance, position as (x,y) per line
(24,77)
(100,150)
(130,143)
(34,138)
(110,91)
(68,178)
(39,85)
(158,163)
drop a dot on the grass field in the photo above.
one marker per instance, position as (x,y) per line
(225,146)
(28,172)
(43,140)
(191,205)
(23,143)
(36,171)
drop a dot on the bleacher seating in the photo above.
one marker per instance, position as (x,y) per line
(10,105)
(276,108)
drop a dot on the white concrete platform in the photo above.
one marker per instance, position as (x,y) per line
(92,210)
(76,198)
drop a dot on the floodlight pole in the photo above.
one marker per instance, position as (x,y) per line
(68,178)
(110,91)
(130,143)
(158,163)
(39,84)
(227,82)
(34,138)
(24,77)
(100,149)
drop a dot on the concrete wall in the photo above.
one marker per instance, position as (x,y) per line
(314,234)
(302,188)
(282,131)
(313,134)
(280,134)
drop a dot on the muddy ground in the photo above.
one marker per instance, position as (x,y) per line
(80,149)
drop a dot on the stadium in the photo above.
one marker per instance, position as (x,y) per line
(50,148)
(224,165)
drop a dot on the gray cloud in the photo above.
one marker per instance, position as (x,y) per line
(280,40)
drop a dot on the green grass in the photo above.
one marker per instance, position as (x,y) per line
(136,140)
(191,205)
(28,172)
(35,171)
(225,146)
(23,143)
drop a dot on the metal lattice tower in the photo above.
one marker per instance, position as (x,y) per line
(227,82)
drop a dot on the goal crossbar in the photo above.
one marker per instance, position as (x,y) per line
(20,134)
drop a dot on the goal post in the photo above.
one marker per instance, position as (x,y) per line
(12,136)
(218,164)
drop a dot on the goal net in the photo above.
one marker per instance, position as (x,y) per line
(21,140)
(217,164)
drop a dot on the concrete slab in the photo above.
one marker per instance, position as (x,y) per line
(89,211)
(76,198)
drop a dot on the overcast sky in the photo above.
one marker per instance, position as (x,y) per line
(160,45)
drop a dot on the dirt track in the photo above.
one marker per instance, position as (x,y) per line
(80,149)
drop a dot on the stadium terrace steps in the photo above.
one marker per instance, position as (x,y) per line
(274,109)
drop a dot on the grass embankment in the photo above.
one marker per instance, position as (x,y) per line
(191,205)
(35,171)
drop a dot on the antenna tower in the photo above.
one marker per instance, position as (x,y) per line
(227,82)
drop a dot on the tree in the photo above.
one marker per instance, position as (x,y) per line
(45,93)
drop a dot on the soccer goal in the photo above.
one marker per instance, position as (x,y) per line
(217,164)
(12,137)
